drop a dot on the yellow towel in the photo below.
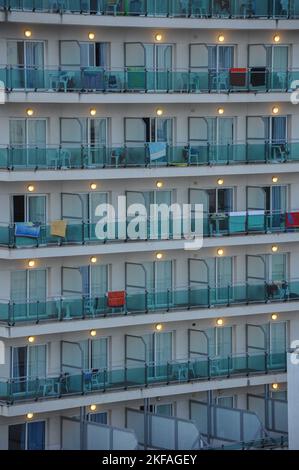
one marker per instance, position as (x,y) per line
(58,228)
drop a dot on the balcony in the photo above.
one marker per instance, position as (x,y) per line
(140,302)
(146,375)
(136,80)
(155,8)
(252,222)
(94,157)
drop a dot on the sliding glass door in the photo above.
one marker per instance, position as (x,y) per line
(85,64)
(213,62)
(29,208)
(211,138)
(28,293)
(267,207)
(268,66)
(158,353)
(83,141)
(28,364)
(79,210)
(148,66)
(148,139)
(267,138)
(27,436)
(27,61)
(214,274)
(149,285)
(217,204)
(28,140)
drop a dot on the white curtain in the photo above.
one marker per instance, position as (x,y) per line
(99,353)
(37,361)
(163,347)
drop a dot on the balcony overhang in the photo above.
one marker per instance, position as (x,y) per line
(86,20)
(54,97)
(148,173)
(133,320)
(142,246)
(139,394)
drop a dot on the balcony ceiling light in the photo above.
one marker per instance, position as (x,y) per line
(221,38)
(27,33)
(91,36)
(159,37)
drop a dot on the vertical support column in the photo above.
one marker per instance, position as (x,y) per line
(293,385)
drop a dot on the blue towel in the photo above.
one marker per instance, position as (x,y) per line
(27,230)
(157,150)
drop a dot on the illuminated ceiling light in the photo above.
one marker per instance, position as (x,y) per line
(29,112)
(159,184)
(93,186)
(274,316)
(274,179)
(91,36)
(159,37)
(93,260)
(220,252)
(93,408)
(220,111)
(93,333)
(31,339)
(31,188)
(274,248)
(275,110)
(159,256)
(30,415)
(93,111)
(159,327)
(220,182)
(221,38)
(27,33)
(275,386)
(31,263)
(220,322)
(159,112)
(276,38)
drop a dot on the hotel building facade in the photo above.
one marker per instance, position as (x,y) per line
(113,343)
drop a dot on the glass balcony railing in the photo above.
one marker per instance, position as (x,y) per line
(134,79)
(197,296)
(204,368)
(166,8)
(30,235)
(18,158)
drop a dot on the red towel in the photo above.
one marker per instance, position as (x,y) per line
(116,299)
(292,219)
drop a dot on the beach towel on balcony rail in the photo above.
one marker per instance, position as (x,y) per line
(157,150)
(27,230)
(58,228)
